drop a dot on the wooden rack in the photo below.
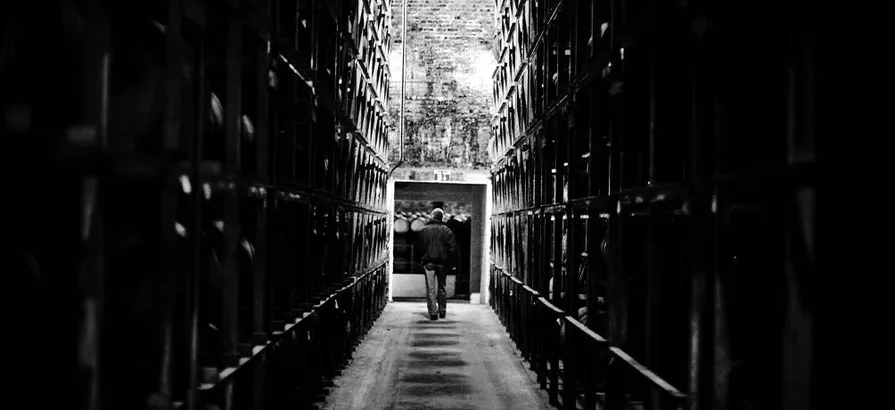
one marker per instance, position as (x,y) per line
(648,172)
(228,177)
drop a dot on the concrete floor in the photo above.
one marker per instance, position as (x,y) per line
(465,361)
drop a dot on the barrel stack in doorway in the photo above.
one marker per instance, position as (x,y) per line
(406,226)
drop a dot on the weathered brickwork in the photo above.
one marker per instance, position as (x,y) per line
(449,66)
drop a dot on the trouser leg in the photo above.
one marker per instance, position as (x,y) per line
(431,289)
(442,293)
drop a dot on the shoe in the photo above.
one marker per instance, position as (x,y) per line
(433,317)
(442,314)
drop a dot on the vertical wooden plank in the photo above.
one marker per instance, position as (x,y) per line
(195,271)
(169,207)
(299,131)
(233,109)
(533,252)
(511,244)
(92,275)
(351,245)
(699,231)
(260,283)
(618,292)
(799,349)
(557,257)
(570,287)
(342,161)
(594,234)
(174,72)
(92,279)
(652,325)
(294,248)
(718,346)
(652,120)
(721,337)
(798,343)
(525,254)
(230,286)
(571,143)
(231,207)
(312,155)
(259,378)
(571,280)
(263,128)
(318,248)
(367,177)
(616,110)
(368,254)
(172,142)
(348,183)
(342,244)
(96,72)
(262,152)
(329,231)
(228,394)
(698,289)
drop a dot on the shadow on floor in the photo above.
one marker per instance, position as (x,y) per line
(464,361)
(423,300)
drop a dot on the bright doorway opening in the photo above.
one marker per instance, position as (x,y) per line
(466,207)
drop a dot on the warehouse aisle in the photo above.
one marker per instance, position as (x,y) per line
(464,361)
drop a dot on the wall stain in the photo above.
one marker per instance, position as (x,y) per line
(450,60)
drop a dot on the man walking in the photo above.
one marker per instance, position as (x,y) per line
(439,254)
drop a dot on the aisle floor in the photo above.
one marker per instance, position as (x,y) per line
(464,361)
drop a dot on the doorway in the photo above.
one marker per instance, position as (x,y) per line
(465,210)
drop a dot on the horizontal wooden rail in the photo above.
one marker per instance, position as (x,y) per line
(583,329)
(647,374)
(291,328)
(575,364)
(318,318)
(551,307)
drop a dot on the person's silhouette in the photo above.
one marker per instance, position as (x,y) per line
(438,248)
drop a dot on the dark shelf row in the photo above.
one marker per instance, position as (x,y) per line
(648,176)
(209,183)
(605,108)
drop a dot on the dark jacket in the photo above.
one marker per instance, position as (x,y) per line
(437,244)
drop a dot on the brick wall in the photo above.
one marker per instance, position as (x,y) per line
(448,68)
